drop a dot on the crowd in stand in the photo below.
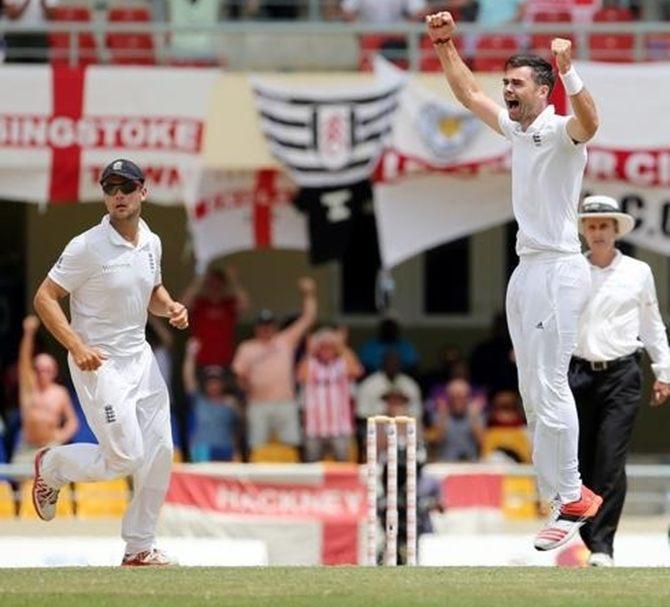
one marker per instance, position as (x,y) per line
(293,391)
(193,47)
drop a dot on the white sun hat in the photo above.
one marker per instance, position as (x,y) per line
(606,207)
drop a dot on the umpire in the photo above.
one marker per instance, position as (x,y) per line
(621,318)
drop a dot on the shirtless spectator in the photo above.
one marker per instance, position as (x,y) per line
(265,369)
(47,414)
(215,301)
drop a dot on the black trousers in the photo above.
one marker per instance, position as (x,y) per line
(607,403)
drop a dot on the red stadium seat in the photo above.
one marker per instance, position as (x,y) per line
(612,47)
(130,48)
(613,15)
(59,42)
(393,47)
(657,45)
(492,52)
(429,61)
(541,43)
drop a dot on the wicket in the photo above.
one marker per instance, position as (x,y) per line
(391,549)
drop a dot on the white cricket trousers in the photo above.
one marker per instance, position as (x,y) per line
(127,407)
(545,298)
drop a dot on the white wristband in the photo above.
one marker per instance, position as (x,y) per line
(572,82)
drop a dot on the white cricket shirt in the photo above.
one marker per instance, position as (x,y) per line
(110,282)
(622,316)
(547,171)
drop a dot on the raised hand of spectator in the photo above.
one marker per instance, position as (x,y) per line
(31,324)
(306,286)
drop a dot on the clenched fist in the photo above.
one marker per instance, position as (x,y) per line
(441,27)
(562,50)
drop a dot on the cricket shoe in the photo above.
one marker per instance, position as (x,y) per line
(600,559)
(45,497)
(148,558)
(566,520)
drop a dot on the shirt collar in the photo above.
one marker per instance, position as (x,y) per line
(117,239)
(612,265)
(542,118)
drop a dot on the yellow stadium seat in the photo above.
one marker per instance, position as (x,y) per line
(65,507)
(515,440)
(6,500)
(104,499)
(519,498)
(274,453)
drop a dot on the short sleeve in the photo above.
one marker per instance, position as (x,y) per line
(73,267)
(506,125)
(565,139)
(158,275)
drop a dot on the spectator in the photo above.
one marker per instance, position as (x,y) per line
(383,11)
(326,374)
(373,352)
(492,365)
(460,424)
(29,47)
(499,12)
(449,358)
(370,399)
(265,368)
(194,46)
(47,414)
(215,300)
(270,9)
(505,410)
(217,435)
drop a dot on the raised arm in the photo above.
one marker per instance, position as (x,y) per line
(236,289)
(584,124)
(27,380)
(47,305)
(188,368)
(441,29)
(295,331)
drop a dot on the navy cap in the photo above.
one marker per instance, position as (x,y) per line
(123,168)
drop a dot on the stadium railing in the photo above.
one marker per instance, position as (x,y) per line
(243,45)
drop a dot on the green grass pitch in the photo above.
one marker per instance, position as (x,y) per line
(335,586)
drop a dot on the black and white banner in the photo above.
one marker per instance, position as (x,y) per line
(328,136)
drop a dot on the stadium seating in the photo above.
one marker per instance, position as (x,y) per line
(105,499)
(512,440)
(59,42)
(612,47)
(130,47)
(6,500)
(393,47)
(541,43)
(429,61)
(492,51)
(274,453)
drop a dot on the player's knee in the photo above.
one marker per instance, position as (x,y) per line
(125,463)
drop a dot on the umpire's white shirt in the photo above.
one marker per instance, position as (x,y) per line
(547,171)
(110,282)
(622,316)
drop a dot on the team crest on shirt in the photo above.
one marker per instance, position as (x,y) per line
(537,139)
(152,261)
(445,130)
(333,134)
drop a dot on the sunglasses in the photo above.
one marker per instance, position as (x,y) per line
(125,187)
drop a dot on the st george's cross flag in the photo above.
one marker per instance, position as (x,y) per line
(59,127)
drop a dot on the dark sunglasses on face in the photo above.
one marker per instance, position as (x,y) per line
(125,187)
